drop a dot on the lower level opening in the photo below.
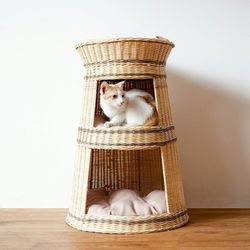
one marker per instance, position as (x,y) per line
(125,183)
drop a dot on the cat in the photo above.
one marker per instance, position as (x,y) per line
(134,107)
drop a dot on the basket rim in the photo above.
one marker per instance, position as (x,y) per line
(129,129)
(133,218)
(126,39)
(126,138)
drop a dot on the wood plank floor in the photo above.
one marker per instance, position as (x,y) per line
(39,229)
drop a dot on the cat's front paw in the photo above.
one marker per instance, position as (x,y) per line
(108,124)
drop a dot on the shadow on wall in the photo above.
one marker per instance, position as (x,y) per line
(213,129)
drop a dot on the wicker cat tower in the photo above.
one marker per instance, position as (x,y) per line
(138,158)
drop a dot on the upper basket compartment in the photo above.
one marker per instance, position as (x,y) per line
(126,137)
(141,63)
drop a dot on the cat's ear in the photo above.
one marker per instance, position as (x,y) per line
(120,84)
(104,87)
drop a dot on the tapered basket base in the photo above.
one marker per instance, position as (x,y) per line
(128,224)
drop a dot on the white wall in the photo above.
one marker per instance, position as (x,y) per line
(41,78)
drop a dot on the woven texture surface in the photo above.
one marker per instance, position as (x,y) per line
(139,158)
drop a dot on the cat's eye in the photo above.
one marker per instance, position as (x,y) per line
(114,96)
(123,95)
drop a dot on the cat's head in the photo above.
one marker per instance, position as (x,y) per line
(114,95)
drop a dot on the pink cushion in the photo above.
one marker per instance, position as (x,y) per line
(126,203)
(157,199)
(100,209)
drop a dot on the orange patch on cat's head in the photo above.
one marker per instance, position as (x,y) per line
(108,91)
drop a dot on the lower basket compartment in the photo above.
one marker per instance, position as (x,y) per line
(136,170)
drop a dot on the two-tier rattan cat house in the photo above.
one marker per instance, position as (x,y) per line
(139,158)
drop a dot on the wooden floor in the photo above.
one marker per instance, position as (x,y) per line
(36,229)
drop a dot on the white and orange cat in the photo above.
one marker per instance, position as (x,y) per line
(134,107)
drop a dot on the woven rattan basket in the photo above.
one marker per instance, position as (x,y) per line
(139,158)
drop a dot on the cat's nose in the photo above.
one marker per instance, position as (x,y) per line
(121,103)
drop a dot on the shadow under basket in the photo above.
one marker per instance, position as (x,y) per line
(137,158)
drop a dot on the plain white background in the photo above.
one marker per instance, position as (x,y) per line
(41,78)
